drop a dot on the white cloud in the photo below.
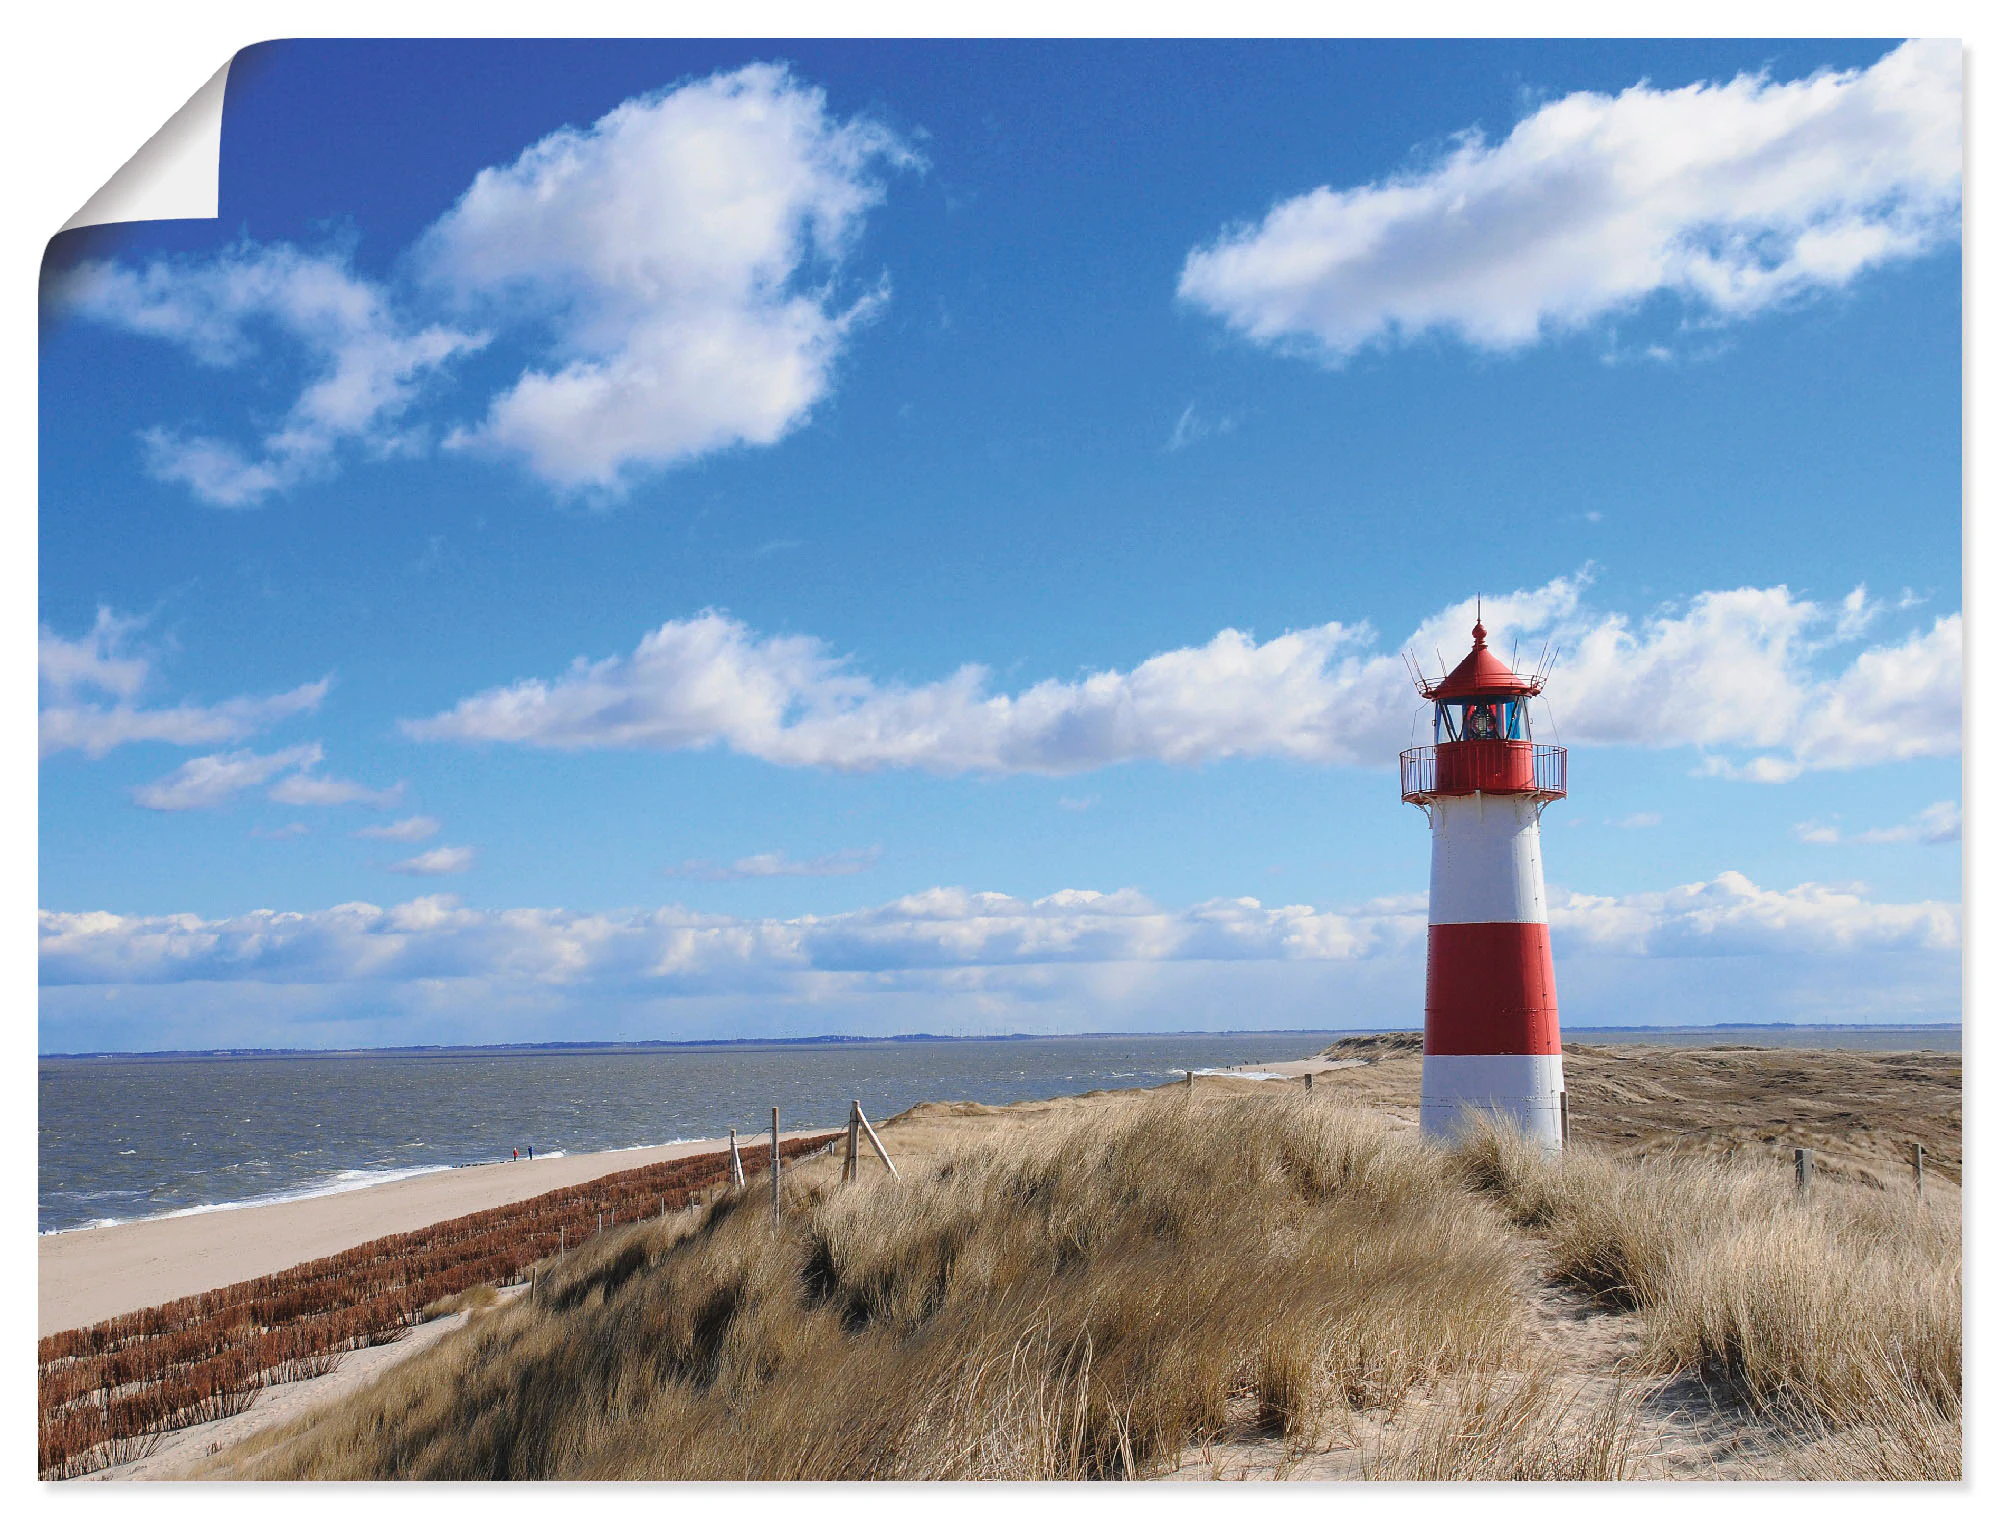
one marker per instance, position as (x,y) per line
(682,250)
(1739,670)
(1733,668)
(367,363)
(1732,915)
(98,661)
(1638,820)
(403,831)
(445,860)
(209,780)
(1731,197)
(674,270)
(675,949)
(212,779)
(303,790)
(104,661)
(436,937)
(759,867)
(1939,823)
(97,730)
(1900,701)
(786,699)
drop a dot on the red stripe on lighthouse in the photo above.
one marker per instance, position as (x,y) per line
(1490,989)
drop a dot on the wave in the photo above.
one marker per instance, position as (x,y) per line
(340,1181)
(354,1181)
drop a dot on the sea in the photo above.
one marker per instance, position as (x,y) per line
(125,1137)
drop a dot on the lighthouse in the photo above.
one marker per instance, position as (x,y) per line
(1491,1044)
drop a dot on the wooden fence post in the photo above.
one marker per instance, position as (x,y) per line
(1917,1165)
(562,1238)
(777,1190)
(1563,1098)
(851,1169)
(875,1140)
(736,1182)
(1802,1168)
(1187,1080)
(1309,1081)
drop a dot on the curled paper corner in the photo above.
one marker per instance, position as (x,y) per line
(176,176)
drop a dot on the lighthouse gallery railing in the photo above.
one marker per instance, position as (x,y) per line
(1496,767)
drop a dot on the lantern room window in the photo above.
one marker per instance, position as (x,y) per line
(1481,718)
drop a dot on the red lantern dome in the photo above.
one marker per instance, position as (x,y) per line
(1484,738)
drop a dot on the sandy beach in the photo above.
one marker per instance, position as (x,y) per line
(85,1275)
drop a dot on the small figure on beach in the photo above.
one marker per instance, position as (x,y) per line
(517,1152)
(531,1152)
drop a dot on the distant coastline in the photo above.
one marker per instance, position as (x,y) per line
(628,1046)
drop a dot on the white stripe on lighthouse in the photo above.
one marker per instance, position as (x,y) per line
(1486,860)
(1524,1090)
(1486,867)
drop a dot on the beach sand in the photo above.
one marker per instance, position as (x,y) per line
(85,1275)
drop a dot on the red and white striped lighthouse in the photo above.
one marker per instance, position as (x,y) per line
(1490,1038)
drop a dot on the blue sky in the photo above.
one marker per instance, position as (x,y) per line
(689,539)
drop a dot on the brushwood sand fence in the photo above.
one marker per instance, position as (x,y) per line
(106,1393)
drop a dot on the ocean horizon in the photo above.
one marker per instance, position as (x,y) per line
(125,1136)
(1570,1032)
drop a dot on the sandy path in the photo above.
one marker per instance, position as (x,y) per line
(1674,1429)
(90,1274)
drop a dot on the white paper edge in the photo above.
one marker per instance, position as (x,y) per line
(176,176)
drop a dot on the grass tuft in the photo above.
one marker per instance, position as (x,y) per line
(1834,1310)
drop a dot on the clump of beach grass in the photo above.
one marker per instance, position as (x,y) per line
(1839,1311)
(1529,1423)
(1085,1300)
(474,1299)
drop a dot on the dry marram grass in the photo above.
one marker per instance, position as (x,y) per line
(1839,1312)
(1083,1301)
(1125,1284)
(1525,1425)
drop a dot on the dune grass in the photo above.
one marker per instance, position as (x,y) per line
(1839,1313)
(1530,1423)
(1124,1283)
(1085,1301)
(475,1299)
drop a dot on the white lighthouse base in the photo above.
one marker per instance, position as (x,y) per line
(1524,1090)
